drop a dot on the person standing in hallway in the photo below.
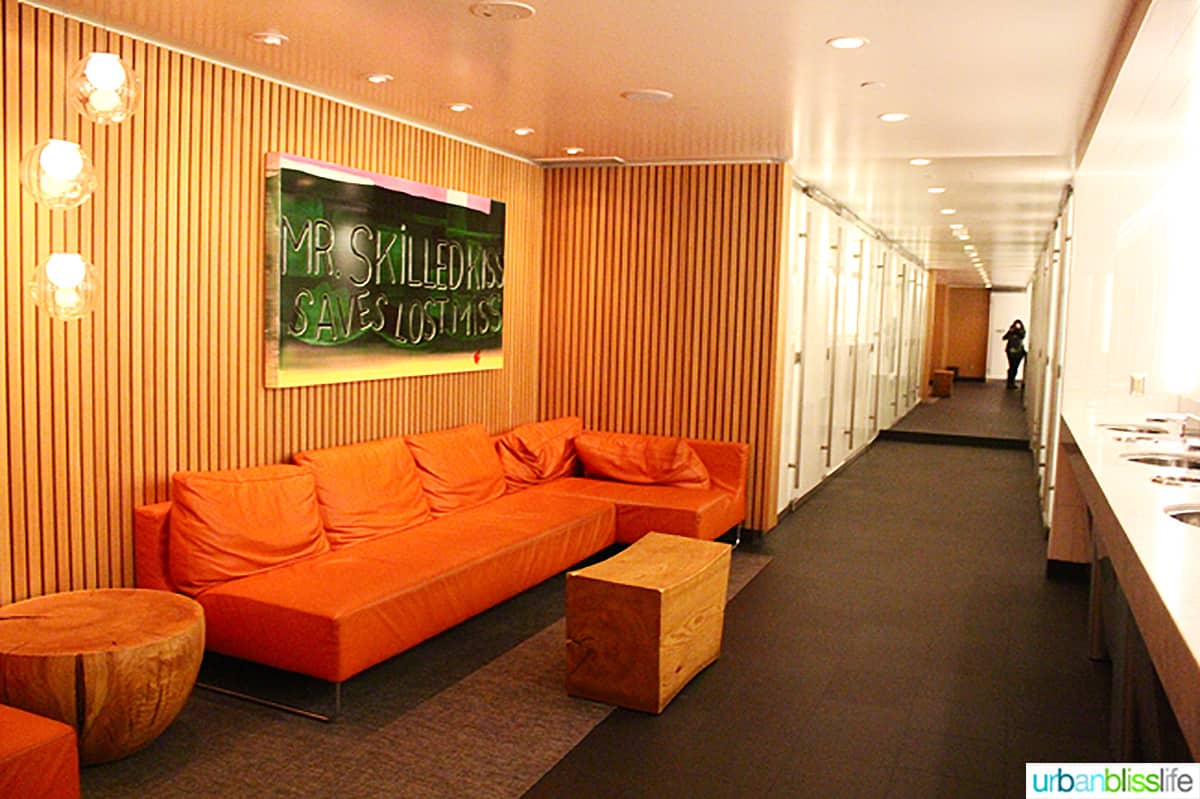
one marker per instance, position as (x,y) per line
(1014,348)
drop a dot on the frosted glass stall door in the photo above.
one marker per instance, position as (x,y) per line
(845,341)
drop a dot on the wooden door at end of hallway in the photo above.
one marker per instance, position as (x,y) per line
(967,312)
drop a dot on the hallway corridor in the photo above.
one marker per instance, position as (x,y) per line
(905,642)
(981,413)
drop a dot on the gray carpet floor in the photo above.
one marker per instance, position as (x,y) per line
(975,409)
(905,643)
(446,719)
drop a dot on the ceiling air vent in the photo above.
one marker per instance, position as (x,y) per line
(502,11)
(566,161)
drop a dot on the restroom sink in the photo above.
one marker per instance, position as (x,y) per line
(1188,514)
(1147,429)
(1176,480)
(1172,460)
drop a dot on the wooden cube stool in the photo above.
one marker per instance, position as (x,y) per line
(645,621)
(943,383)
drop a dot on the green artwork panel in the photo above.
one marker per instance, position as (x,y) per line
(371,277)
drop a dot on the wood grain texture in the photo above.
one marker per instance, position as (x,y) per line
(167,374)
(960,330)
(116,664)
(660,308)
(643,623)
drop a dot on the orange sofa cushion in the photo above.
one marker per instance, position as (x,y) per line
(366,489)
(540,451)
(38,756)
(332,617)
(646,460)
(233,523)
(705,513)
(459,468)
(150,534)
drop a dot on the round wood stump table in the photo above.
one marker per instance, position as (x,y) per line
(117,664)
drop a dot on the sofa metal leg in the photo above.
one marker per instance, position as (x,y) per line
(298,711)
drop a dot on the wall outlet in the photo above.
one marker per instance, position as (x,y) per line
(1137,385)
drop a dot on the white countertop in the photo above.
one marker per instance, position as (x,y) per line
(1167,550)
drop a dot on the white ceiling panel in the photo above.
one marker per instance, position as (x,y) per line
(997,91)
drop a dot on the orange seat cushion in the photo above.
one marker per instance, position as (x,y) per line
(691,512)
(333,616)
(366,489)
(540,451)
(459,468)
(648,460)
(233,523)
(38,756)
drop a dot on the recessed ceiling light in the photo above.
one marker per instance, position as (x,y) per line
(573,150)
(937,189)
(458,108)
(956,226)
(269,38)
(380,77)
(847,42)
(502,10)
(647,95)
(893,116)
(920,161)
(523,131)
(949,211)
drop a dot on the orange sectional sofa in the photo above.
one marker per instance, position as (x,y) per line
(38,757)
(353,554)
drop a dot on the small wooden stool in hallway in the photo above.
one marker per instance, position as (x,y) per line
(643,623)
(943,383)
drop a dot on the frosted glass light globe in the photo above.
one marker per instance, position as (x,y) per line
(104,100)
(104,71)
(104,89)
(65,286)
(58,174)
(66,270)
(61,160)
(68,300)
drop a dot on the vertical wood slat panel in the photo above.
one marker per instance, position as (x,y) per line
(660,307)
(167,374)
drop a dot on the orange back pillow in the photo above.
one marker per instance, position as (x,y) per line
(367,489)
(631,458)
(459,467)
(233,523)
(538,452)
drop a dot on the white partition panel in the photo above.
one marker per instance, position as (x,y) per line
(844,341)
(852,343)
(821,285)
(795,286)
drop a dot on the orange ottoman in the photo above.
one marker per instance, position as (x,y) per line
(38,758)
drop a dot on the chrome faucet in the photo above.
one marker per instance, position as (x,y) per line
(1189,424)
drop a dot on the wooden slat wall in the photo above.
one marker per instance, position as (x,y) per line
(167,373)
(660,309)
